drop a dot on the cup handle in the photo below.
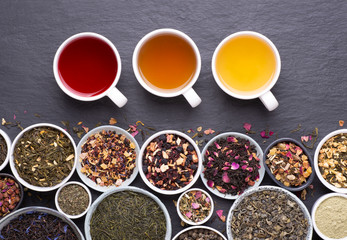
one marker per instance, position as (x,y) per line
(117,97)
(192,97)
(269,100)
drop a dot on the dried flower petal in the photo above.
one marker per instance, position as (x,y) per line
(209,131)
(235,166)
(341,123)
(225,177)
(231,139)
(304,138)
(134,133)
(220,215)
(210,183)
(112,121)
(263,134)
(199,129)
(247,126)
(195,205)
(198,194)
(188,214)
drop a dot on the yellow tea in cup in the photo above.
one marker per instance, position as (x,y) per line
(167,62)
(246,64)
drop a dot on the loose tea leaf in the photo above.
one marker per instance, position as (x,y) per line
(332,160)
(199,234)
(73,199)
(38,226)
(128,215)
(170,162)
(231,165)
(3,150)
(108,158)
(268,214)
(195,206)
(288,163)
(44,156)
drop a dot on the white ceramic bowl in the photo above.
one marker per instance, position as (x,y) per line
(120,189)
(191,222)
(315,161)
(90,183)
(89,196)
(314,209)
(271,188)
(197,173)
(8,143)
(259,154)
(21,211)
(198,227)
(13,167)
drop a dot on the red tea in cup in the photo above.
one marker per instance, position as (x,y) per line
(87,66)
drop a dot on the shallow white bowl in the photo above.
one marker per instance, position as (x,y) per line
(315,161)
(198,227)
(314,209)
(120,189)
(14,170)
(259,154)
(20,211)
(89,196)
(8,143)
(90,183)
(272,188)
(197,173)
(191,222)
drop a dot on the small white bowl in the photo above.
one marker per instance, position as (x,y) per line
(314,209)
(8,143)
(89,196)
(90,183)
(121,189)
(315,161)
(198,227)
(191,222)
(259,153)
(271,188)
(169,192)
(13,167)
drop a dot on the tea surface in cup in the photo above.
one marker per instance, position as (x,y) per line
(167,62)
(87,66)
(246,64)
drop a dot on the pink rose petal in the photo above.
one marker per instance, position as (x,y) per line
(231,139)
(220,215)
(225,177)
(289,154)
(298,150)
(304,138)
(14,117)
(247,178)
(215,172)
(195,205)
(221,189)
(225,168)
(210,183)
(271,133)
(188,214)
(209,164)
(217,145)
(263,134)
(244,167)
(227,164)
(215,153)
(134,133)
(250,169)
(235,166)
(198,195)
(233,187)
(247,126)
(228,152)
(208,200)
(237,157)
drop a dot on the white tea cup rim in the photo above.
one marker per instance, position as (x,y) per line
(62,47)
(155,33)
(274,78)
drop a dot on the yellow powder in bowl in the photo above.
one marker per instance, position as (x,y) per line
(331,217)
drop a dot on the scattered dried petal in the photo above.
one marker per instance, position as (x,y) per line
(341,123)
(220,215)
(112,121)
(247,126)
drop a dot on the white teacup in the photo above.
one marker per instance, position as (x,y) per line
(265,95)
(187,91)
(113,93)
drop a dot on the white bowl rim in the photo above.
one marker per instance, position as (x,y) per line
(87,180)
(21,180)
(8,143)
(314,209)
(315,161)
(44,210)
(190,222)
(197,227)
(261,162)
(73,183)
(197,173)
(133,189)
(272,188)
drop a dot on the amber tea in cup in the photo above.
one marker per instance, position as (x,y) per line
(167,62)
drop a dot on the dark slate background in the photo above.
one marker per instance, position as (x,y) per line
(311,37)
